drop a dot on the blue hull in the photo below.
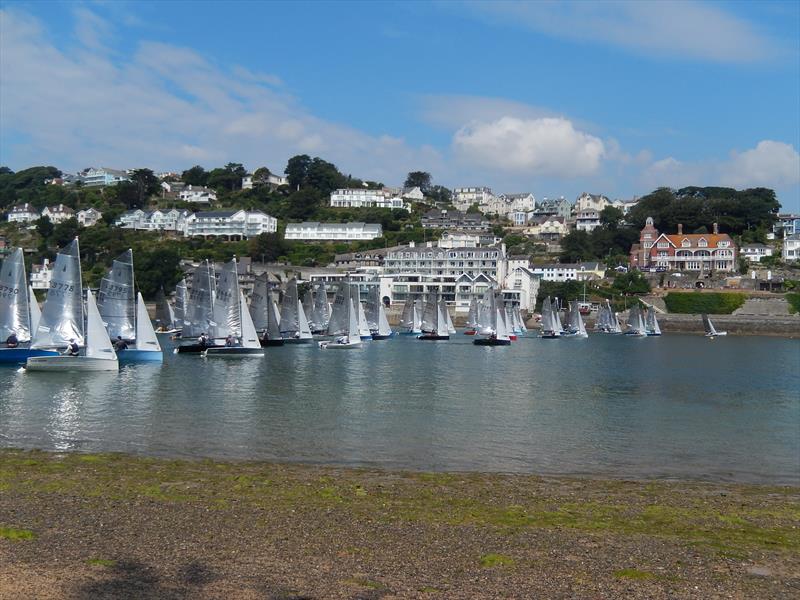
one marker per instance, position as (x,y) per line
(19,356)
(129,356)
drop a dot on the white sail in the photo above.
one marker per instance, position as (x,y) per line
(227,319)
(652,322)
(33,306)
(62,315)
(322,310)
(383,323)
(501,329)
(116,300)
(14,311)
(472,315)
(485,323)
(303,330)
(352,323)
(146,338)
(363,326)
(338,322)
(273,323)
(448,322)
(521,321)
(98,344)
(441,321)
(249,333)
(180,303)
(200,303)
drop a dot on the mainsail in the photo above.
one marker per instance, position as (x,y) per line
(227,317)
(15,313)
(652,322)
(290,323)
(164,313)
(340,315)
(259,303)
(115,299)
(180,304)
(200,304)
(98,344)
(472,315)
(62,314)
(322,310)
(372,307)
(146,338)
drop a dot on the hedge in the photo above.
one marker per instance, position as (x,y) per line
(712,303)
(794,302)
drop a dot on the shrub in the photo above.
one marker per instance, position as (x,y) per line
(712,303)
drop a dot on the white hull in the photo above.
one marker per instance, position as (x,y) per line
(71,363)
(716,334)
(234,353)
(338,346)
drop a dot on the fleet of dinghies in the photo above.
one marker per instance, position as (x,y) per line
(211,317)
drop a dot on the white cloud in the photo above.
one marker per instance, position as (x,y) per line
(668,28)
(769,164)
(165,107)
(452,111)
(545,146)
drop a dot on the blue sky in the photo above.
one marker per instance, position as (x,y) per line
(553,98)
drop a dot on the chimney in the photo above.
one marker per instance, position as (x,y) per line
(680,228)
(716,228)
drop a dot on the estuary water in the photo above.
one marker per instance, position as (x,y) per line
(678,406)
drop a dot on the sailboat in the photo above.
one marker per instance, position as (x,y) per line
(199,313)
(293,324)
(19,311)
(264,314)
(551,326)
(636,324)
(498,324)
(448,321)
(434,320)
(711,331)
(165,315)
(124,318)
(98,353)
(363,327)
(180,307)
(348,326)
(651,324)
(508,315)
(411,320)
(232,319)
(472,317)
(575,325)
(376,315)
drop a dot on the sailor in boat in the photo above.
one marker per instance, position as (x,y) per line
(230,341)
(12,341)
(120,344)
(72,349)
(202,340)
(343,340)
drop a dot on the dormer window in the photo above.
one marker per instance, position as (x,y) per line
(702,243)
(686,243)
(663,244)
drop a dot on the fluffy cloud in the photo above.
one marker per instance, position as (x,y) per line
(163,106)
(769,164)
(544,146)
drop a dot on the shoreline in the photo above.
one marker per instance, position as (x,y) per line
(115,525)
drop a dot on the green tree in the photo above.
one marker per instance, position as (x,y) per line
(197,175)
(267,247)
(633,282)
(156,268)
(44,227)
(297,170)
(576,246)
(473,209)
(261,176)
(228,178)
(146,185)
(324,176)
(420,179)
(611,216)
(303,204)
(65,232)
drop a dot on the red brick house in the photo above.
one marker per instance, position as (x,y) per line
(702,252)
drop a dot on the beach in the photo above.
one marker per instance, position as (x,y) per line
(78,525)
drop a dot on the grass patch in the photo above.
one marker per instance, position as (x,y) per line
(634,574)
(366,583)
(9,533)
(491,560)
(101,562)
(712,303)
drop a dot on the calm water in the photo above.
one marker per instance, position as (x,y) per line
(678,406)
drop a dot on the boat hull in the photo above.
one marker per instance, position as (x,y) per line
(19,356)
(376,336)
(470,332)
(433,338)
(133,355)
(234,352)
(192,349)
(271,343)
(410,332)
(338,346)
(70,363)
(298,340)
(489,342)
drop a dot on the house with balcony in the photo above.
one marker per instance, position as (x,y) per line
(786,224)
(197,194)
(454,219)
(595,202)
(315,231)
(791,248)
(23,213)
(464,197)
(587,220)
(548,227)
(755,252)
(273,181)
(466,239)
(88,217)
(703,252)
(102,177)
(557,207)
(58,213)
(41,275)
(229,224)
(586,271)
(366,198)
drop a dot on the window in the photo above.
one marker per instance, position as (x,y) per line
(686,243)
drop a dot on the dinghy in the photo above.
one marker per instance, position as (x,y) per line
(575,326)
(165,315)
(294,324)
(551,327)
(434,320)
(322,310)
(411,320)
(651,323)
(348,327)
(198,322)
(264,314)
(180,308)
(232,318)
(636,324)
(472,318)
(97,355)
(499,334)
(710,330)
(376,315)
(19,312)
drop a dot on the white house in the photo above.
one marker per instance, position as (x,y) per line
(506,204)
(23,213)
(89,217)
(104,176)
(755,252)
(58,213)
(313,230)
(570,272)
(197,194)
(464,197)
(791,248)
(272,180)
(548,227)
(413,194)
(595,202)
(365,198)
(466,239)
(230,224)
(41,275)
(587,219)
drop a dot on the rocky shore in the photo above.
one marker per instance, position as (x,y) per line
(113,526)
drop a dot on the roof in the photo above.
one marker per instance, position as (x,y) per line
(694,238)
(585,266)
(334,226)
(27,207)
(59,208)
(215,214)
